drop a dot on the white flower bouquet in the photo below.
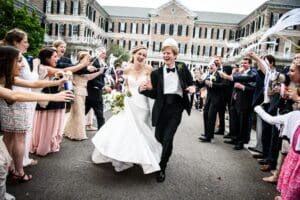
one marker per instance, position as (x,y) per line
(114,101)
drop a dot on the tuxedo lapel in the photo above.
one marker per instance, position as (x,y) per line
(161,77)
(180,75)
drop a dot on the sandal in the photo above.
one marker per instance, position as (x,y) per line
(21,178)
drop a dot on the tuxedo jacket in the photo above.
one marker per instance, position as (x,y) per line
(243,98)
(157,93)
(216,93)
(94,86)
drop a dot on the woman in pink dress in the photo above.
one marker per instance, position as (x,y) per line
(49,117)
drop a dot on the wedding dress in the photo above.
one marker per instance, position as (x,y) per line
(127,138)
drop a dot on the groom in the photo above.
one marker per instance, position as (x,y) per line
(169,87)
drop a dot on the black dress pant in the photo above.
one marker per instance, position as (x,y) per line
(209,116)
(97,106)
(166,128)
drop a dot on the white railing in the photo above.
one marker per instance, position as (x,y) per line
(74,40)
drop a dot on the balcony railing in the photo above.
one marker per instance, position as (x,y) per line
(78,40)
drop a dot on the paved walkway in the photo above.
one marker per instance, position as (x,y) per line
(196,171)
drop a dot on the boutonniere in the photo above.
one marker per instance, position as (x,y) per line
(212,77)
(180,66)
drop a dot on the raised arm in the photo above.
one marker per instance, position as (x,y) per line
(38,83)
(261,64)
(25,96)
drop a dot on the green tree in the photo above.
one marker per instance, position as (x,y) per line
(20,18)
(6,18)
(32,26)
(119,52)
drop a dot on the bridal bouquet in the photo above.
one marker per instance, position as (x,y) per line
(115,101)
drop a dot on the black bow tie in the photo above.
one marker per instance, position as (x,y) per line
(170,70)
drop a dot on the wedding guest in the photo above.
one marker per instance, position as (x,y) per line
(169,86)
(75,126)
(49,116)
(241,104)
(138,145)
(288,182)
(14,122)
(95,86)
(214,101)
(19,40)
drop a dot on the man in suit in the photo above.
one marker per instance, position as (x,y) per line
(242,103)
(94,99)
(214,101)
(169,87)
(227,90)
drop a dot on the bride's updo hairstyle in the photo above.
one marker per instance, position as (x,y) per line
(136,49)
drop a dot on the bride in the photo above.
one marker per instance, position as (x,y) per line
(128,138)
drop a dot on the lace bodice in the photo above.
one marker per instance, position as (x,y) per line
(137,98)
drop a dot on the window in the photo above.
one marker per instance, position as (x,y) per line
(162,29)
(49,29)
(196,31)
(122,27)
(274,18)
(187,31)
(219,51)
(145,28)
(183,29)
(171,29)
(76,30)
(287,48)
(48,6)
(220,34)
(133,28)
(207,51)
(179,30)
(157,46)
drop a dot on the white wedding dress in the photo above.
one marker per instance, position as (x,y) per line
(127,138)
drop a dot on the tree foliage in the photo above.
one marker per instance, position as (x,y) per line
(119,52)
(22,19)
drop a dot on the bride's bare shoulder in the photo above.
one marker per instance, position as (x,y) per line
(128,69)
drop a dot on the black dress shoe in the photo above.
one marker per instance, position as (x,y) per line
(254,149)
(203,135)
(230,142)
(263,162)
(160,176)
(227,136)
(219,133)
(238,147)
(261,156)
(205,139)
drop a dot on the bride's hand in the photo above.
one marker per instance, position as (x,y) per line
(146,86)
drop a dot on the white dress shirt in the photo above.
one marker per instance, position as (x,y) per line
(171,82)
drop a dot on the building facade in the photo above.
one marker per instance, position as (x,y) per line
(86,25)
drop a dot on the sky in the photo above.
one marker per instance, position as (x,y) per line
(228,6)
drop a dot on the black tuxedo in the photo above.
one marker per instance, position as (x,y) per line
(214,101)
(227,90)
(167,109)
(94,99)
(242,107)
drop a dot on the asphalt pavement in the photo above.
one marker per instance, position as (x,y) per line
(208,171)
